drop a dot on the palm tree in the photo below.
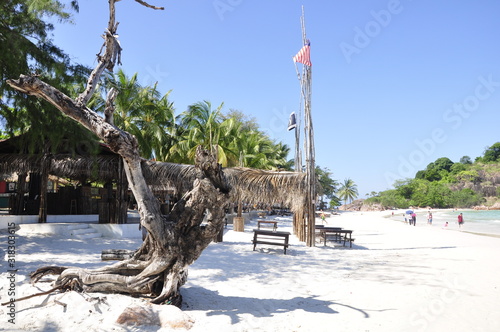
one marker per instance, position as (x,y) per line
(157,125)
(199,125)
(258,151)
(328,186)
(348,191)
(277,155)
(143,112)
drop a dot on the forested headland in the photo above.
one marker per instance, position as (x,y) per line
(447,184)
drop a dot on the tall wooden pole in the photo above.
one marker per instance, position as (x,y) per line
(310,209)
(298,152)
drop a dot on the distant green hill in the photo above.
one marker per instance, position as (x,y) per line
(445,184)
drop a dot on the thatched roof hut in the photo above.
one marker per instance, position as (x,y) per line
(250,185)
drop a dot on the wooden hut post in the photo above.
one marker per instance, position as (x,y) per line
(121,201)
(44,180)
(299,225)
(239,220)
(17,206)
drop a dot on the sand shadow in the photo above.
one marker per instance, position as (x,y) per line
(234,306)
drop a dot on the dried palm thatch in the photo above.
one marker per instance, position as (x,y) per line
(249,185)
(257,186)
(93,168)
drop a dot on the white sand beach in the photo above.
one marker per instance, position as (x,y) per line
(394,278)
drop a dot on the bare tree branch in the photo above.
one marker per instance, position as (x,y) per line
(148,5)
(110,106)
(111,56)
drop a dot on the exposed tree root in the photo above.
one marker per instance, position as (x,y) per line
(159,267)
(33,295)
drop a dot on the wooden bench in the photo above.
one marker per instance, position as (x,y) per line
(340,235)
(274,224)
(276,238)
(325,231)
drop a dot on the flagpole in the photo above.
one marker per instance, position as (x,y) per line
(298,151)
(306,86)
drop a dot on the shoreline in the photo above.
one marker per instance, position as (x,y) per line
(477,227)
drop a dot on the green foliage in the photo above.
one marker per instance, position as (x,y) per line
(458,167)
(404,189)
(142,111)
(492,154)
(468,176)
(334,202)
(390,199)
(437,185)
(466,160)
(348,191)
(441,164)
(419,190)
(436,171)
(465,198)
(432,175)
(247,123)
(150,117)
(420,174)
(438,195)
(27,48)
(328,186)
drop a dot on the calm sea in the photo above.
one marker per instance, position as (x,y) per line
(487,222)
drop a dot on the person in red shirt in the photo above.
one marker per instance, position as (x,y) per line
(460,220)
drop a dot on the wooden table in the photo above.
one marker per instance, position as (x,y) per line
(339,233)
(270,222)
(276,238)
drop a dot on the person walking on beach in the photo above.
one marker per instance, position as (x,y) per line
(460,220)
(414,218)
(429,218)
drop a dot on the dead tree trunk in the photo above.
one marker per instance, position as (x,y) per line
(174,241)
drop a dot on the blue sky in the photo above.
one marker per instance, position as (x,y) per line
(396,84)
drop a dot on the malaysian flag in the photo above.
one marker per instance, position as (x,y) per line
(304,55)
